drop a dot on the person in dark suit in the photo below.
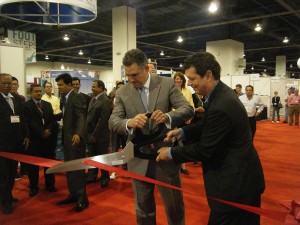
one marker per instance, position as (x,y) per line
(275,103)
(74,117)
(76,87)
(142,93)
(42,126)
(13,138)
(97,130)
(222,142)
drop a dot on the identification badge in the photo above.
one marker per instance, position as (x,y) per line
(14,119)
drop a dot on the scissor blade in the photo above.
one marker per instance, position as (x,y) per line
(116,158)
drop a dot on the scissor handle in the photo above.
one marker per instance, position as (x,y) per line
(141,140)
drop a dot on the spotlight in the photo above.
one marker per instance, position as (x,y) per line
(285,40)
(80,52)
(258,27)
(179,39)
(263,59)
(62,67)
(180,65)
(46,57)
(252,68)
(162,53)
(213,7)
(89,62)
(66,37)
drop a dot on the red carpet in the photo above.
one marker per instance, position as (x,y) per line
(277,145)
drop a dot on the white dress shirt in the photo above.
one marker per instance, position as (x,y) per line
(251,104)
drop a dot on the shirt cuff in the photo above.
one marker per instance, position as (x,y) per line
(182,135)
(169,123)
(169,153)
(129,130)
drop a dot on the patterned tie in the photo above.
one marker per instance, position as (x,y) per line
(39,106)
(144,98)
(10,102)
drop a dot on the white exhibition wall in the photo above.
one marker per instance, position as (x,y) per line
(34,70)
(263,86)
(12,61)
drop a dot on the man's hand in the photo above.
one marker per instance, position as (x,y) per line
(26,143)
(172,136)
(46,133)
(199,109)
(163,154)
(257,114)
(159,117)
(138,121)
(75,139)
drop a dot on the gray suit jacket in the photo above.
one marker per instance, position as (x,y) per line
(163,95)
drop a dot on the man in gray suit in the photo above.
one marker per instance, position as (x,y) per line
(74,111)
(99,111)
(159,95)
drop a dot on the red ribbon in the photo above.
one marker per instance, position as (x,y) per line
(276,215)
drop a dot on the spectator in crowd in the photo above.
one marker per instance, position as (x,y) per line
(73,106)
(294,105)
(52,99)
(253,105)
(13,138)
(222,142)
(275,103)
(76,84)
(286,106)
(42,126)
(157,94)
(238,90)
(14,90)
(180,82)
(97,130)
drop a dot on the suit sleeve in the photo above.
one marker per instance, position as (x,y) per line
(80,114)
(30,121)
(105,112)
(217,129)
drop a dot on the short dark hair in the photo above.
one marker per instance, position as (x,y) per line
(14,78)
(32,86)
(250,87)
(179,74)
(238,85)
(135,56)
(65,77)
(46,82)
(100,83)
(76,78)
(202,62)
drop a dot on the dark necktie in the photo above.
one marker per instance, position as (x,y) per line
(39,106)
(92,103)
(62,102)
(10,102)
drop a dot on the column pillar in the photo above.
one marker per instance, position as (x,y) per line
(280,69)
(124,37)
(230,55)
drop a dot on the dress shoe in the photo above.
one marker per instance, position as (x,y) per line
(6,208)
(184,171)
(52,189)
(81,206)
(68,200)
(104,182)
(33,192)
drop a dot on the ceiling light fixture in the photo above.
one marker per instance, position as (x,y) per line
(66,37)
(258,27)
(62,67)
(46,57)
(179,39)
(263,59)
(162,53)
(285,40)
(291,65)
(180,65)
(213,7)
(89,62)
(252,68)
(80,52)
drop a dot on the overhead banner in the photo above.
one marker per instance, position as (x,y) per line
(26,40)
(50,12)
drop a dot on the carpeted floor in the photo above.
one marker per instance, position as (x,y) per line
(278,148)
